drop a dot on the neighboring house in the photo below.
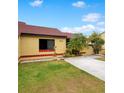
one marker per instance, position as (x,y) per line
(37,42)
(89,49)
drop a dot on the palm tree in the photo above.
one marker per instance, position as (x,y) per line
(96,42)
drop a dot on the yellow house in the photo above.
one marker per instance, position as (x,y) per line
(40,42)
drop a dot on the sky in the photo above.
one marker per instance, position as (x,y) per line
(74,16)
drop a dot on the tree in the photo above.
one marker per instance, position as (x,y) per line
(77,43)
(96,42)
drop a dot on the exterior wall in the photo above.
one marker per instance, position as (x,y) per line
(29,45)
(87,51)
(103,36)
(60,45)
(19,49)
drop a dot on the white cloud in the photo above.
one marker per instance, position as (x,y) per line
(80,29)
(83,29)
(36,3)
(91,17)
(79,4)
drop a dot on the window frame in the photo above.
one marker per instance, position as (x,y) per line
(47,50)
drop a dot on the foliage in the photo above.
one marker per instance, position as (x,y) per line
(96,42)
(77,43)
(69,55)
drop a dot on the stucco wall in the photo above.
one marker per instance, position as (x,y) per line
(88,51)
(29,45)
(103,36)
(19,49)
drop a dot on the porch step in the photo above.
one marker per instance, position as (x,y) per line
(43,59)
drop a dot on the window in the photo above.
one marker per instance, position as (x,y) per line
(46,44)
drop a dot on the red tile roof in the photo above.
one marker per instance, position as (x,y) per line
(69,35)
(23,28)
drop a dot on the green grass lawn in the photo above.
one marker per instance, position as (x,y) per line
(56,77)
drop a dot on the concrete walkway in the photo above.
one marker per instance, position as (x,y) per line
(89,64)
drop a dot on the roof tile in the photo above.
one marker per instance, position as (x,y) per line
(29,29)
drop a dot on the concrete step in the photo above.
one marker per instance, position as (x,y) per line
(43,59)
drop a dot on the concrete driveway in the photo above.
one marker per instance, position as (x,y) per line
(89,64)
